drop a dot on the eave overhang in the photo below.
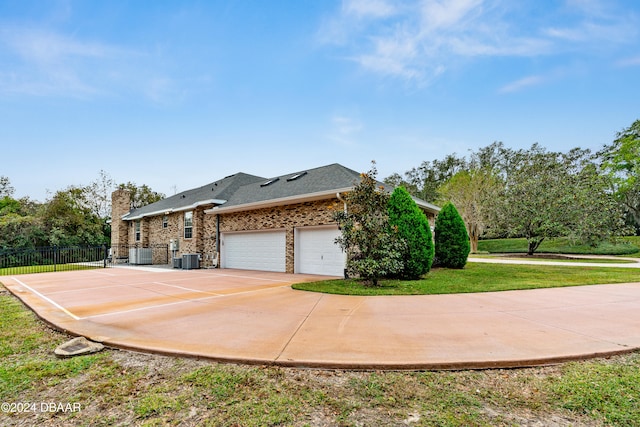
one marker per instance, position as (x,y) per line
(309,197)
(168,211)
(426,205)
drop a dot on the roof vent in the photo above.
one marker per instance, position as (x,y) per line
(296,176)
(271,181)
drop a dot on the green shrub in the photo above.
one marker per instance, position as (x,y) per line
(451,238)
(373,248)
(413,228)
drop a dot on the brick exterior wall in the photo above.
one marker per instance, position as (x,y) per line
(203,242)
(120,205)
(286,217)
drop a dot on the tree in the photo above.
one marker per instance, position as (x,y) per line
(141,195)
(451,239)
(621,160)
(6,190)
(553,194)
(99,194)
(69,220)
(475,193)
(372,246)
(414,229)
(424,181)
(20,225)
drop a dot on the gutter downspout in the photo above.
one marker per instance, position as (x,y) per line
(218,240)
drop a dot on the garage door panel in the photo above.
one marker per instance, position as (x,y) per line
(255,251)
(317,252)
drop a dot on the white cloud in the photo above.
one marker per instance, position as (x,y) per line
(522,83)
(437,14)
(368,8)
(46,47)
(420,39)
(629,62)
(344,129)
(41,62)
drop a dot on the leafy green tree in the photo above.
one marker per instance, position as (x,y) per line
(372,246)
(474,193)
(413,228)
(451,239)
(69,220)
(424,181)
(141,195)
(554,194)
(6,190)
(24,232)
(621,160)
(20,224)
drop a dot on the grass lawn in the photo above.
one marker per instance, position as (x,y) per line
(45,269)
(118,388)
(480,277)
(630,247)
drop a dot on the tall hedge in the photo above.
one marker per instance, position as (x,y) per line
(451,238)
(412,227)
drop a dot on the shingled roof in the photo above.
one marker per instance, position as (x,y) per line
(244,192)
(211,194)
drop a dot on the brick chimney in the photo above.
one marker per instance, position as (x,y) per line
(120,205)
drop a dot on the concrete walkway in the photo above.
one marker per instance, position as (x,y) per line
(255,317)
(504,259)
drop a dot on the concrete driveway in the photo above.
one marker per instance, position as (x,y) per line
(255,317)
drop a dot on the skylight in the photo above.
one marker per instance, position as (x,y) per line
(271,181)
(296,176)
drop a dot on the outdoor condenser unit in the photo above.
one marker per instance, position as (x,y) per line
(140,256)
(190,261)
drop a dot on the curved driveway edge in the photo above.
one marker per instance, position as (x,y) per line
(255,317)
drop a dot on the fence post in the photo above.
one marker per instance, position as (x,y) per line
(105,254)
(55,258)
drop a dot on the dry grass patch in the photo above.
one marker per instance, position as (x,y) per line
(120,388)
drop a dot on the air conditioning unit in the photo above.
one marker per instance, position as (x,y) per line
(177,263)
(140,256)
(190,261)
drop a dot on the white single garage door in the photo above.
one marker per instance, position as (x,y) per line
(316,252)
(260,250)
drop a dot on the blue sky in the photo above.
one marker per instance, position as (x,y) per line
(176,94)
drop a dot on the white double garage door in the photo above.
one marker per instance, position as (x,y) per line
(314,251)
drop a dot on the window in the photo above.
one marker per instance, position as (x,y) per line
(188,225)
(296,176)
(165,221)
(137,226)
(271,181)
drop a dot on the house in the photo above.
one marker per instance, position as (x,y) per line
(283,223)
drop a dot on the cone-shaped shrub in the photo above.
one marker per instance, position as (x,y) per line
(413,228)
(451,238)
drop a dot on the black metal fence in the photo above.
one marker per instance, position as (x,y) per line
(55,258)
(52,258)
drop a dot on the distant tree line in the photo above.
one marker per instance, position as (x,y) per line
(535,193)
(75,216)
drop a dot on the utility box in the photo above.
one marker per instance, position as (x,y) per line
(174,245)
(190,261)
(177,263)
